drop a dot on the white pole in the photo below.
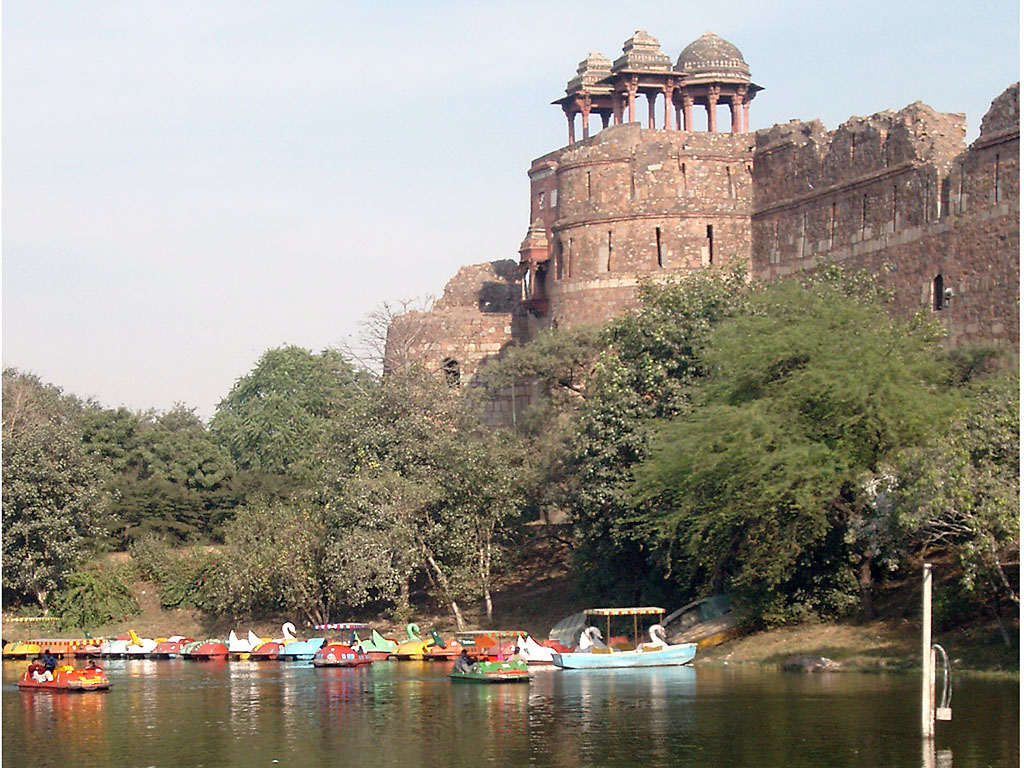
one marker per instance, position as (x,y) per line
(927,658)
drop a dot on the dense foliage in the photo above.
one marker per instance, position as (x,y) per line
(790,444)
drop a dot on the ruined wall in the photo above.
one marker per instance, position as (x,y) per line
(634,203)
(898,195)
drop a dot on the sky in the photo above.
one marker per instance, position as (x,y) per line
(188,184)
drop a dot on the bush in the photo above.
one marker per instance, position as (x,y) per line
(96,596)
(180,576)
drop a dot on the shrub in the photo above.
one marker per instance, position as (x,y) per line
(96,596)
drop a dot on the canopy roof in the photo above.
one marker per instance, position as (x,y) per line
(491,633)
(646,611)
(342,626)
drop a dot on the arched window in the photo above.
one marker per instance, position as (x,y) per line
(938,293)
(450,368)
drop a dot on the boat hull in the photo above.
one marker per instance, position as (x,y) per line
(671,656)
(70,681)
(493,672)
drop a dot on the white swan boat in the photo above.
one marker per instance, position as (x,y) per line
(593,653)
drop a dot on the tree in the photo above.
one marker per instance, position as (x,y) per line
(167,473)
(961,491)
(273,419)
(760,489)
(52,491)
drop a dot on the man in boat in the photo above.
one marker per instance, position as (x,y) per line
(463,663)
(50,662)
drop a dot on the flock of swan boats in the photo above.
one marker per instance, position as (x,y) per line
(488,656)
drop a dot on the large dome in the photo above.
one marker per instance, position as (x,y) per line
(711,54)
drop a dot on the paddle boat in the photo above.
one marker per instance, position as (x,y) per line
(511,670)
(115,648)
(65,678)
(593,653)
(490,644)
(22,650)
(533,652)
(378,647)
(140,647)
(239,649)
(340,655)
(271,649)
(206,650)
(414,647)
(442,651)
(170,648)
(300,650)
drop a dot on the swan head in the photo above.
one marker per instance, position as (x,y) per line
(657,633)
(288,630)
(413,630)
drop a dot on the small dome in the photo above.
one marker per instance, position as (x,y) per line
(590,72)
(711,54)
(642,53)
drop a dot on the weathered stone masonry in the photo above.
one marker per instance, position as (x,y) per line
(895,193)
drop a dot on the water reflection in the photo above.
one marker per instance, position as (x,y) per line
(170,713)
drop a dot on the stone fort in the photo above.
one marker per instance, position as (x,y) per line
(686,187)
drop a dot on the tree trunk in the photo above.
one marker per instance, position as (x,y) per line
(865,582)
(442,580)
(484,561)
(41,599)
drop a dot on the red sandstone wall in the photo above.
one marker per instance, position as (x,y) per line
(896,194)
(636,202)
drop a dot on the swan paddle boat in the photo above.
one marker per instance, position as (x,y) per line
(593,653)
(140,647)
(239,649)
(115,648)
(273,650)
(414,647)
(340,655)
(378,647)
(442,651)
(533,652)
(512,670)
(66,678)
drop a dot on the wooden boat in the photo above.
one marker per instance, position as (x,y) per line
(707,622)
(593,653)
(340,655)
(67,678)
(512,670)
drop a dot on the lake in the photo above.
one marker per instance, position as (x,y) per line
(253,714)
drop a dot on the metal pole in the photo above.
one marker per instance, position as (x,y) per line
(927,658)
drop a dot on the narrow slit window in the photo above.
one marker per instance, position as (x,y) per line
(997,192)
(711,244)
(609,264)
(895,210)
(938,293)
(589,189)
(832,228)
(728,177)
(657,242)
(568,260)
(863,215)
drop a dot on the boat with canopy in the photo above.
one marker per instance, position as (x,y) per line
(593,653)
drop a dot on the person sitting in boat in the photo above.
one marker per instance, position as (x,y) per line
(37,670)
(50,662)
(463,663)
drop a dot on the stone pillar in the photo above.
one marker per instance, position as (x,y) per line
(667,92)
(746,117)
(679,118)
(617,107)
(736,111)
(687,112)
(605,116)
(713,93)
(652,97)
(631,94)
(571,117)
(586,119)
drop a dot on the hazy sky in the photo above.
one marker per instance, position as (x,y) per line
(187,184)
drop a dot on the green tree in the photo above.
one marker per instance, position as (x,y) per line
(53,502)
(274,418)
(167,473)
(961,491)
(761,490)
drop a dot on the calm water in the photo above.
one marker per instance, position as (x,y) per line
(247,714)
